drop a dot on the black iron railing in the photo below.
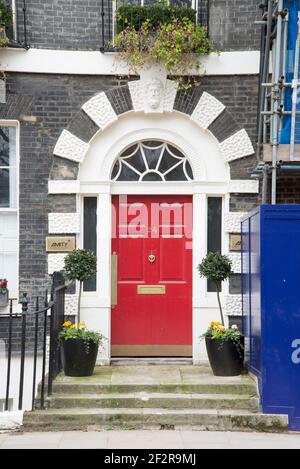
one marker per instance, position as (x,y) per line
(36,326)
(111,24)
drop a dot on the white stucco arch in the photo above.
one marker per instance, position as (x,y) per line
(199,145)
(209,159)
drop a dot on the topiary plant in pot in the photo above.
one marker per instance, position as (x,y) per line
(225,346)
(80,264)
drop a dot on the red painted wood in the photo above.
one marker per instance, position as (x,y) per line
(142,229)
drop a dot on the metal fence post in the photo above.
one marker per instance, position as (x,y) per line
(9,354)
(24,302)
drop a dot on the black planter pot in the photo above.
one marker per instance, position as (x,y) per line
(78,357)
(225,357)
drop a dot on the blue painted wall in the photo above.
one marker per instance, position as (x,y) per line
(272,315)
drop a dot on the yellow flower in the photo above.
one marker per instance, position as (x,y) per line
(215,324)
(81,325)
(67,324)
(72,326)
(221,328)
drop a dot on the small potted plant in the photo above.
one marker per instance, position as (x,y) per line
(225,346)
(79,349)
(3,293)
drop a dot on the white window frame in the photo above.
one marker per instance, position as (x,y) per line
(16,124)
(13,123)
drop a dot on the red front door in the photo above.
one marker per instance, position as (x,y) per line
(153,242)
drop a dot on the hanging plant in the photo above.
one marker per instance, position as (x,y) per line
(6,21)
(176,44)
(129,14)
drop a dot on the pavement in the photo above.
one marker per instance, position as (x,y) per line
(144,439)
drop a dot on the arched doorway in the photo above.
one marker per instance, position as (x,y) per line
(92,176)
(152,255)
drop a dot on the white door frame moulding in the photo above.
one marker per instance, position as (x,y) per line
(94,63)
(212,178)
(204,305)
(209,159)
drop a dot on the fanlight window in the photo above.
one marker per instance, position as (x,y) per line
(152,160)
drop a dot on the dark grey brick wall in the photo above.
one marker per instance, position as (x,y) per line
(237,320)
(237,92)
(243,202)
(235,284)
(232,24)
(63,24)
(77,24)
(63,169)
(59,203)
(242,168)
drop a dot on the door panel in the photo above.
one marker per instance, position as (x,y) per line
(154,251)
(171,270)
(129,249)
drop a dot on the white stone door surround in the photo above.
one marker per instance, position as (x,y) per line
(208,157)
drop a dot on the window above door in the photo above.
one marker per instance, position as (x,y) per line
(152,160)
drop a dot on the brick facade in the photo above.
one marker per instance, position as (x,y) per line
(232,24)
(77,25)
(55,100)
(288,187)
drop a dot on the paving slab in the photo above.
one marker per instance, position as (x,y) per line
(146,439)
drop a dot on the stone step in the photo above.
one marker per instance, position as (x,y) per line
(154,400)
(137,419)
(203,384)
(204,366)
(199,388)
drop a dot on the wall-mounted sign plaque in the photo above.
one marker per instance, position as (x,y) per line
(60,243)
(235,242)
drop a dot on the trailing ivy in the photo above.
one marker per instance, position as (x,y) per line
(177,45)
(6,21)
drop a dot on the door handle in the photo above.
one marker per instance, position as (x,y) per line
(114,280)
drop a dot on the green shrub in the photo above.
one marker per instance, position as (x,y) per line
(177,45)
(217,268)
(80,265)
(155,14)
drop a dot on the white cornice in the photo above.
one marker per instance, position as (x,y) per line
(95,63)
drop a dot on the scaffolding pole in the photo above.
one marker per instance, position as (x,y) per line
(295,85)
(276,100)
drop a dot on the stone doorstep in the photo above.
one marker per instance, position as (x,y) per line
(156,400)
(206,419)
(206,387)
(153,397)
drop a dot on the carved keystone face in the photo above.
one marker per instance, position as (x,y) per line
(154,91)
